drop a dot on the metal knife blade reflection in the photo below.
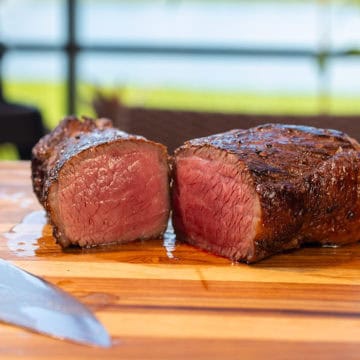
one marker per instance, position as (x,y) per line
(33,303)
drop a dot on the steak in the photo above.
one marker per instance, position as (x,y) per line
(100,185)
(248,194)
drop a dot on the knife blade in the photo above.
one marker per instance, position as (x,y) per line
(33,303)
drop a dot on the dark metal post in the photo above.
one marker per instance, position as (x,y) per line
(2,51)
(71,47)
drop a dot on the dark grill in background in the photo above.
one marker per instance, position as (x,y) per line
(174,127)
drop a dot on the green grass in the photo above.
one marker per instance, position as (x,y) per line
(8,152)
(50,98)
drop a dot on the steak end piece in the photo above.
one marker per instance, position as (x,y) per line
(248,194)
(100,185)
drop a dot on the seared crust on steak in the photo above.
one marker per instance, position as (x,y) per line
(66,141)
(72,142)
(305,179)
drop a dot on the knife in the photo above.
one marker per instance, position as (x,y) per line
(33,303)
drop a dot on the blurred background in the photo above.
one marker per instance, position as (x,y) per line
(131,59)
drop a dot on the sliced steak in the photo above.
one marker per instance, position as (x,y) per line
(100,185)
(247,194)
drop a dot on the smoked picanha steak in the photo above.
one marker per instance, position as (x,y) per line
(248,194)
(100,185)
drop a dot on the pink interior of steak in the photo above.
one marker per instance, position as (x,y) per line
(215,204)
(112,193)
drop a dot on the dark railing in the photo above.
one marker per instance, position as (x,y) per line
(71,48)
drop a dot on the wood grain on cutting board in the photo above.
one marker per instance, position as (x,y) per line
(166,302)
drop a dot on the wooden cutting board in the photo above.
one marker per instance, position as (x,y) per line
(171,301)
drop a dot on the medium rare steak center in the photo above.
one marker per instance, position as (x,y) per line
(248,194)
(100,185)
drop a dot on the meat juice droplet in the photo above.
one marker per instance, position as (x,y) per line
(23,238)
(169,241)
(33,233)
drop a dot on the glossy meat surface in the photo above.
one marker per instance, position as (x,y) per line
(304,180)
(100,185)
